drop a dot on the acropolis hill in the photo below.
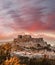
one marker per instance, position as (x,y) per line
(27,50)
(27,46)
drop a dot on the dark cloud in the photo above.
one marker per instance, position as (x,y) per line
(28,14)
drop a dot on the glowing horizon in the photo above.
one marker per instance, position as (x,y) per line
(13,35)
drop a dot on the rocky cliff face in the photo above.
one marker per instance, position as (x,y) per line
(31,47)
(28,48)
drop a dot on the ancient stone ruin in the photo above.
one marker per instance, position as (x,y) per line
(26,41)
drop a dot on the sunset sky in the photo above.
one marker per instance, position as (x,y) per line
(27,15)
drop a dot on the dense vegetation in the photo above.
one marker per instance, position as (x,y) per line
(5,57)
